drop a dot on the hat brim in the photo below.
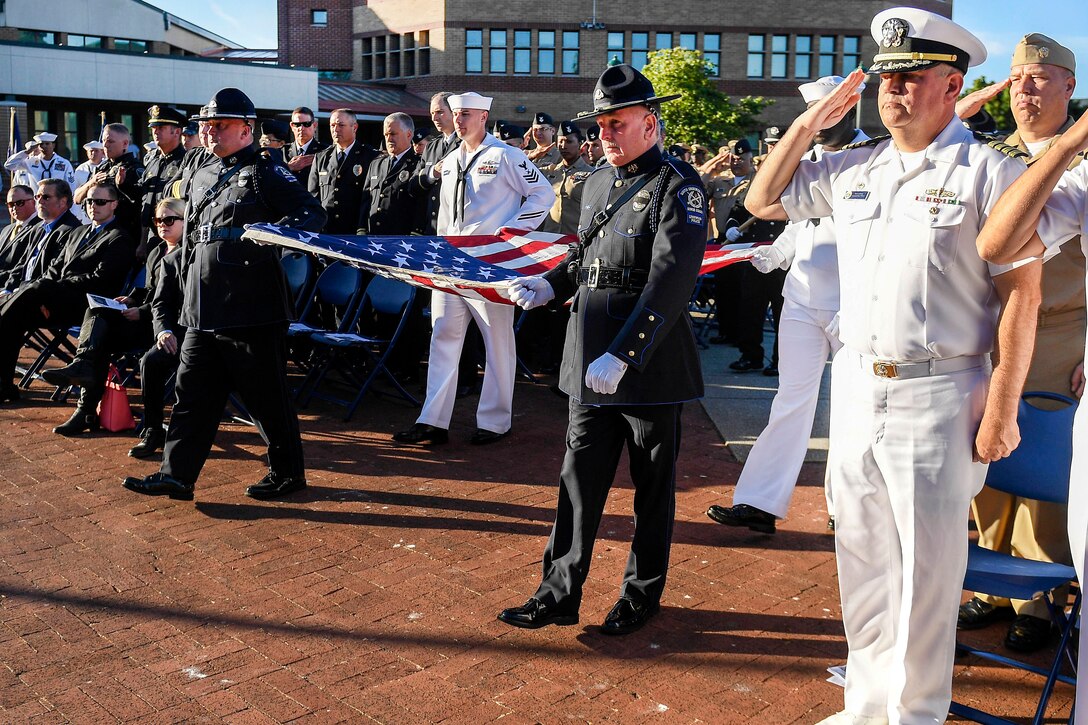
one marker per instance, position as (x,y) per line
(627,104)
(239,116)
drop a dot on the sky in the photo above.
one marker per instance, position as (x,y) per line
(998,23)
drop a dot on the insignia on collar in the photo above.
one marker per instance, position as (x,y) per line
(893,32)
(631,168)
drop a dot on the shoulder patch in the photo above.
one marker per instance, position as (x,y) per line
(284,172)
(867,142)
(994,143)
(694,200)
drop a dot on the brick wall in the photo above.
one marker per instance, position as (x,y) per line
(303,44)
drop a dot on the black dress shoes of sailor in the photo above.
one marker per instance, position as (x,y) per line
(80,422)
(274,486)
(976,614)
(535,614)
(159,484)
(746,366)
(628,616)
(743,515)
(1028,634)
(423,434)
(482,437)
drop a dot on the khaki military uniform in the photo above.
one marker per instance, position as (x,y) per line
(567,181)
(1026,527)
(551,158)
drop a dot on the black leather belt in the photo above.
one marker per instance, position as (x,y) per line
(207,233)
(597,276)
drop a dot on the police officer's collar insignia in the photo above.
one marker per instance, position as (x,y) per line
(631,168)
(230,160)
(357,169)
(641,201)
(893,31)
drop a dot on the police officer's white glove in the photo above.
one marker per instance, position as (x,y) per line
(603,374)
(530,292)
(733,234)
(767,258)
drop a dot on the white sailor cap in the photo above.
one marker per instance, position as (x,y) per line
(911,39)
(90,145)
(469,100)
(820,87)
(45,137)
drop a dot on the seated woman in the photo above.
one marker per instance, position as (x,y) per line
(106,332)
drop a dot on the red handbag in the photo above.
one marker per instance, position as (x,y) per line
(114,412)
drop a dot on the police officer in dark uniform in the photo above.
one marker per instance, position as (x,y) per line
(162,166)
(123,169)
(630,360)
(235,305)
(429,182)
(389,185)
(339,174)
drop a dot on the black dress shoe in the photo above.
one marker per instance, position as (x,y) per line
(771,371)
(1028,634)
(976,614)
(628,616)
(535,614)
(274,486)
(422,433)
(159,484)
(482,437)
(80,422)
(151,440)
(78,372)
(9,394)
(745,366)
(743,515)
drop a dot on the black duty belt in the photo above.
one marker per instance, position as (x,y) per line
(207,233)
(596,276)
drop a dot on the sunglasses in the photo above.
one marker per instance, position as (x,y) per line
(39,197)
(302,124)
(98,202)
(18,203)
(166,221)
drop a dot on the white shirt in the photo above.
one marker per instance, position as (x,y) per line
(38,168)
(499,178)
(913,286)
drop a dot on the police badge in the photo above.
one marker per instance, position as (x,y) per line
(642,200)
(357,169)
(403,176)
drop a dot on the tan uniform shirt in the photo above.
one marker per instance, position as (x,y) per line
(549,159)
(567,182)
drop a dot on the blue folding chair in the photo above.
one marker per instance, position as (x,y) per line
(338,291)
(383,296)
(1037,469)
(301,271)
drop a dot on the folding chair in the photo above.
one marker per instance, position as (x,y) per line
(301,271)
(383,296)
(340,287)
(1038,469)
(702,309)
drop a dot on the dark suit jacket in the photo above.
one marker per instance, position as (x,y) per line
(428,190)
(392,204)
(13,244)
(95,263)
(40,251)
(166,296)
(341,187)
(292,150)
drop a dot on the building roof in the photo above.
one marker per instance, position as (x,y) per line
(369,98)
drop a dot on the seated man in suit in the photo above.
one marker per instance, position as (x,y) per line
(24,218)
(95,259)
(53,203)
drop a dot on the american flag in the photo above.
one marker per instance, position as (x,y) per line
(476,267)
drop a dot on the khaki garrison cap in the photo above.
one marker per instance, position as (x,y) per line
(1038,48)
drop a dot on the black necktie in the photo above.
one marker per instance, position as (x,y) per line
(339,157)
(459,189)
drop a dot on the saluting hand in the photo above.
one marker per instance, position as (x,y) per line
(831,108)
(972,103)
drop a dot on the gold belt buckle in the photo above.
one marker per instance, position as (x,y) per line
(885,370)
(594,274)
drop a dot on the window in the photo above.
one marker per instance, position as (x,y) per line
(497,56)
(780,45)
(687,40)
(545,54)
(756,52)
(802,59)
(662,41)
(366,51)
(523,51)
(41,121)
(130,46)
(851,54)
(570,52)
(474,51)
(712,51)
(640,45)
(379,57)
(38,37)
(84,41)
(71,131)
(615,48)
(319,18)
(827,55)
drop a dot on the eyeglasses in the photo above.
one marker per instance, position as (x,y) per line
(166,221)
(39,197)
(18,203)
(302,124)
(98,202)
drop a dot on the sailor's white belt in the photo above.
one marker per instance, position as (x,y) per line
(900,370)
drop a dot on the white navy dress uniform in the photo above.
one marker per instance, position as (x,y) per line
(918,317)
(806,337)
(483,191)
(36,168)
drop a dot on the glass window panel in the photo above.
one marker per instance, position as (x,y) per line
(827,43)
(570,39)
(638,59)
(474,60)
(319,18)
(850,44)
(522,59)
(803,43)
(755,65)
(474,38)
(497,60)
(756,42)
(640,41)
(425,61)
(778,66)
(712,41)
(687,40)
(545,61)
(394,65)
(424,38)
(570,62)
(615,41)
(409,64)
(780,43)
(545,39)
(497,38)
(804,66)
(662,41)
(522,38)
(715,60)
(394,42)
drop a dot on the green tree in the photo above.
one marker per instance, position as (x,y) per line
(702,114)
(1000,107)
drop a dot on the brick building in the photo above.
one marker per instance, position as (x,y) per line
(535,57)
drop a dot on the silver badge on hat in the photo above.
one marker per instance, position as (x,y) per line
(893,31)
(599,94)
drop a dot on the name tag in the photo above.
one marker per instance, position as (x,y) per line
(856,195)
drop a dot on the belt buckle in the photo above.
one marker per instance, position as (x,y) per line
(885,369)
(204,233)
(594,273)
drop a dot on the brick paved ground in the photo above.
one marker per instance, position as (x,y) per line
(373,595)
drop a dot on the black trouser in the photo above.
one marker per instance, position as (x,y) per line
(251,361)
(104,333)
(595,439)
(727,296)
(156,367)
(22,312)
(757,291)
